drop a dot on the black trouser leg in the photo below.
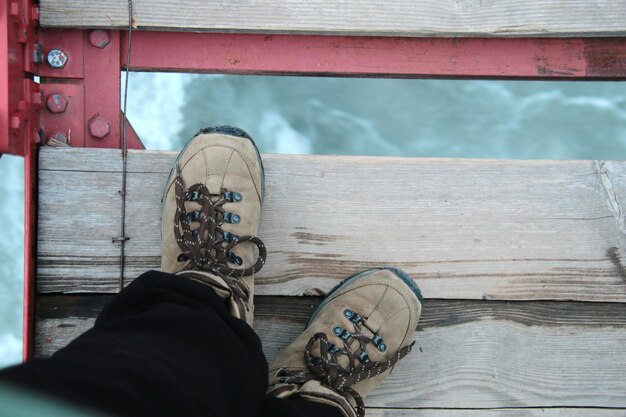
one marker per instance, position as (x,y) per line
(165,346)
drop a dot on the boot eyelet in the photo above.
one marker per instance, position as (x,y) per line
(193,196)
(194,216)
(364,357)
(378,342)
(337,330)
(356,318)
(231,217)
(232,197)
(230,237)
(182,258)
(234,259)
(348,313)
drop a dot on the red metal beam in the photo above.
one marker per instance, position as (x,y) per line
(30,242)
(534,58)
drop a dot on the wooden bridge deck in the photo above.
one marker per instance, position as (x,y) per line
(520,263)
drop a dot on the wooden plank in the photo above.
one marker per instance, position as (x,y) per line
(464,229)
(361,17)
(537,58)
(469,354)
(511,412)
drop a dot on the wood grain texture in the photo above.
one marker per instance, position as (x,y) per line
(464,229)
(360,17)
(511,412)
(469,354)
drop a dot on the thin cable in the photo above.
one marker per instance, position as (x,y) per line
(123,238)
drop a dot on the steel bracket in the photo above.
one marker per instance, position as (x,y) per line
(23,99)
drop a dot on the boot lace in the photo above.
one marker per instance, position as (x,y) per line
(209,247)
(326,368)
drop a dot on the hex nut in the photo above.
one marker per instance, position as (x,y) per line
(56,103)
(57,58)
(99,38)
(99,127)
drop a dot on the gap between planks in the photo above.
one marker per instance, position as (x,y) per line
(463,229)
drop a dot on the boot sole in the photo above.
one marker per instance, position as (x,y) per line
(343,284)
(225,130)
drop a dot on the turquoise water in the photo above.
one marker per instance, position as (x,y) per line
(436,118)
(11,258)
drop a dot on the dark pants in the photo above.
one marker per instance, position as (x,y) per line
(165,346)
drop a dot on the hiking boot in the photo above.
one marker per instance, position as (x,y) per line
(211,209)
(352,341)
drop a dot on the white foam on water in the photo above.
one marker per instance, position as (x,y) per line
(283,138)
(10,349)
(154,103)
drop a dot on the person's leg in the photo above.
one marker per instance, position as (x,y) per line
(174,344)
(165,346)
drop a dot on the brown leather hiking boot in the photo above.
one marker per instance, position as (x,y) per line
(352,341)
(211,209)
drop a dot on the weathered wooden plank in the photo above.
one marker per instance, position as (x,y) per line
(465,229)
(360,17)
(500,412)
(469,354)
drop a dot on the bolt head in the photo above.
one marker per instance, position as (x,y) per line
(99,127)
(99,38)
(56,103)
(57,58)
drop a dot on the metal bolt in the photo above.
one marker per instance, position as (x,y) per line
(99,127)
(56,103)
(57,58)
(99,38)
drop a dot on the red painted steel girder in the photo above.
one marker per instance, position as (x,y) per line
(19,96)
(534,58)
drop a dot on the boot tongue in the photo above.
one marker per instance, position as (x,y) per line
(235,306)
